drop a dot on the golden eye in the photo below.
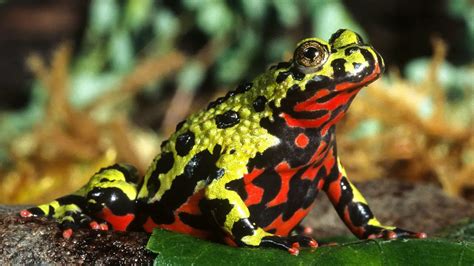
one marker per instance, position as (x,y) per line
(310,55)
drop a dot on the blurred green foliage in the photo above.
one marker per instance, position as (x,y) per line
(250,35)
(246,35)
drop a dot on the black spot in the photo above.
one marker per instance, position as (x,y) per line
(217,209)
(163,165)
(336,35)
(283,65)
(38,211)
(129,172)
(259,103)
(339,68)
(294,72)
(282,76)
(111,197)
(227,119)
(244,87)
(195,221)
(329,177)
(184,143)
(264,216)
(232,151)
(272,231)
(351,50)
(163,144)
(217,102)
(346,195)
(180,125)
(310,195)
(269,181)
(326,98)
(294,89)
(237,185)
(71,199)
(319,82)
(297,75)
(359,213)
(240,89)
(241,228)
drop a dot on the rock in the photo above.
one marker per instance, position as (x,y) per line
(413,206)
(417,207)
(40,241)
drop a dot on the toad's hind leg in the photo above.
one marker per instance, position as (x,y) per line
(108,199)
(229,211)
(354,210)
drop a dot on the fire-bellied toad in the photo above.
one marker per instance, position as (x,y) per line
(247,168)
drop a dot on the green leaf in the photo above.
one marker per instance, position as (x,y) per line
(178,249)
(462,231)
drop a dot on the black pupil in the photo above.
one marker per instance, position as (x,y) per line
(311,53)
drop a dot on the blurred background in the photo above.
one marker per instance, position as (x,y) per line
(84,84)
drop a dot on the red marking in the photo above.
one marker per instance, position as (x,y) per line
(25,213)
(307,105)
(191,206)
(67,233)
(329,161)
(372,236)
(149,225)
(103,226)
(421,235)
(334,191)
(180,227)
(296,245)
(229,241)
(391,235)
(94,225)
(318,155)
(254,193)
(307,230)
(294,251)
(331,104)
(283,228)
(356,230)
(340,115)
(312,105)
(310,173)
(301,140)
(286,173)
(304,123)
(118,222)
(320,184)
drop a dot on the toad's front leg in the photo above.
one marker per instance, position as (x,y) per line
(228,210)
(107,200)
(354,210)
